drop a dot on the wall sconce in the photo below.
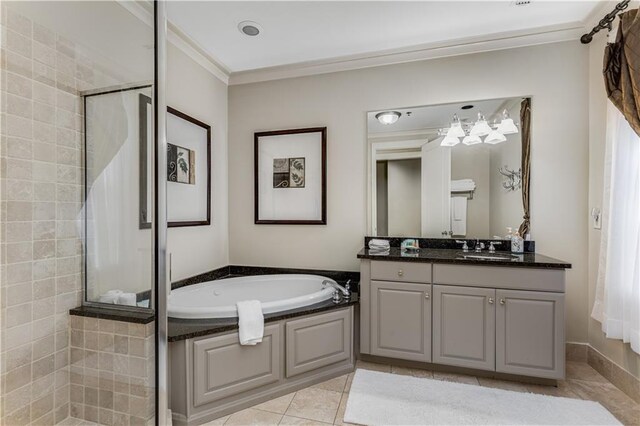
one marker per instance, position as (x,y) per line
(513,180)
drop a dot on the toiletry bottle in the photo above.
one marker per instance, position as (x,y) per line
(509,233)
(517,243)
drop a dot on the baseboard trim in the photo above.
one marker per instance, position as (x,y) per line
(576,351)
(619,377)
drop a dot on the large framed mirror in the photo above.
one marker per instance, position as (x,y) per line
(458,170)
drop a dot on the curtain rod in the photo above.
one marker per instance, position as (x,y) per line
(605,22)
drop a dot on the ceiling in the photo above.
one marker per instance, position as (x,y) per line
(297,32)
(434,117)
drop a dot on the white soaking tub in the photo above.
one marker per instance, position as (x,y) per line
(217,299)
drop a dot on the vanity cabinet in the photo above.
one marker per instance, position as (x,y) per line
(464,326)
(530,333)
(493,318)
(401,320)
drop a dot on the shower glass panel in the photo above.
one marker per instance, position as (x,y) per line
(119,196)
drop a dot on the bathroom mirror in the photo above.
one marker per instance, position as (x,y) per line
(450,171)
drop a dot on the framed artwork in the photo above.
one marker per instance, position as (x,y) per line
(290,174)
(188,170)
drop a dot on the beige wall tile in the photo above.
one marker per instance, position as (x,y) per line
(19,148)
(19,85)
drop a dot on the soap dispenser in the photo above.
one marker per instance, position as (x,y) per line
(517,243)
(509,233)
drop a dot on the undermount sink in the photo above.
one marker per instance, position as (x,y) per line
(489,257)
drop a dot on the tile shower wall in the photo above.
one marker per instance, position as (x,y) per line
(112,370)
(41,193)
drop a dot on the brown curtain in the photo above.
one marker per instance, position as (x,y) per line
(525,129)
(622,68)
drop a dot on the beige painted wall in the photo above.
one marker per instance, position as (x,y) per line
(618,352)
(554,74)
(196,92)
(404,182)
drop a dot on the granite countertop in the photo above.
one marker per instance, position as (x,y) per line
(181,329)
(524,260)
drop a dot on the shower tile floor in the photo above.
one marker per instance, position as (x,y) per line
(325,403)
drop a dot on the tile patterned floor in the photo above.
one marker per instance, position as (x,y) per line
(325,403)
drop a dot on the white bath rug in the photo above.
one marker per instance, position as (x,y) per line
(389,399)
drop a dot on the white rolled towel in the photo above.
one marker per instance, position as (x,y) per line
(129,299)
(250,322)
(110,296)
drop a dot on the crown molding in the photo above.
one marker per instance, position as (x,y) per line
(144,12)
(464,46)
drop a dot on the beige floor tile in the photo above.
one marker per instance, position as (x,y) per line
(218,421)
(561,390)
(612,398)
(290,420)
(365,365)
(70,421)
(583,371)
(347,386)
(454,377)
(414,372)
(628,417)
(315,404)
(276,405)
(339,420)
(336,385)
(253,417)
(502,384)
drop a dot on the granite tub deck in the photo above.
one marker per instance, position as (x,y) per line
(181,329)
(450,256)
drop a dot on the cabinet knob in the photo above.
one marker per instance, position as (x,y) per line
(502,301)
(426,295)
(400,272)
(491,300)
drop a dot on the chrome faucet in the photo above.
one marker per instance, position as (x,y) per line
(465,247)
(336,286)
(492,249)
(479,246)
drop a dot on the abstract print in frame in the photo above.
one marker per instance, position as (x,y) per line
(290,176)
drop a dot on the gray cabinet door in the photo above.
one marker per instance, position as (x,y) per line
(317,341)
(401,320)
(530,333)
(464,326)
(222,367)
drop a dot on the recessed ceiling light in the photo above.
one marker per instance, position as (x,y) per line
(388,117)
(466,107)
(249,28)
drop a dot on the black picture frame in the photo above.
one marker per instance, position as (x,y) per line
(323,194)
(144,103)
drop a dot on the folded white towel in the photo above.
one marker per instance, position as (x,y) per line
(459,216)
(129,299)
(250,322)
(463,185)
(376,244)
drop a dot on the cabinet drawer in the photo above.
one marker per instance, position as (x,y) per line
(500,277)
(222,367)
(318,341)
(401,271)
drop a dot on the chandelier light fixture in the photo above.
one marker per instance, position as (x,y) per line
(472,134)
